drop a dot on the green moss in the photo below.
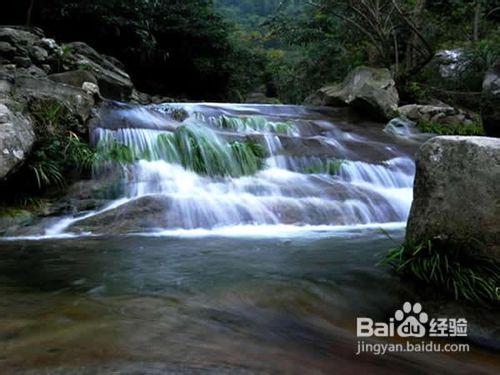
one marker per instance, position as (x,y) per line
(456,269)
(12,212)
(475,128)
(196,149)
(251,123)
(329,166)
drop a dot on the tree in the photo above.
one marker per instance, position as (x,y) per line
(177,48)
(29,15)
(387,25)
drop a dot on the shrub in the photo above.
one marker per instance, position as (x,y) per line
(58,150)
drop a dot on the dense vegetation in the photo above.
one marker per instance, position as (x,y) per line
(179,48)
(224,49)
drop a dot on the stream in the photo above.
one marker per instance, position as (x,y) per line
(241,239)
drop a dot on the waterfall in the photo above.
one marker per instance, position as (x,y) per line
(236,165)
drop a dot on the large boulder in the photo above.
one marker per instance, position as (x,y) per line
(134,216)
(75,63)
(27,49)
(16,139)
(370,90)
(448,64)
(114,82)
(457,192)
(74,78)
(78,102)
(19,37)
(491,102)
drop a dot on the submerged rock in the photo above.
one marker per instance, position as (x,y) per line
(457,192)
(139,215)
(370,90)
(401,127)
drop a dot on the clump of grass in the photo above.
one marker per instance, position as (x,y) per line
(455,269)
(329,166)
(196,149)
(58,149)
(475,128)
(249,156)
(254,123)
(113,152)
(201,153)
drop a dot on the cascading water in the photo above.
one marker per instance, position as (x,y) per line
(234,165)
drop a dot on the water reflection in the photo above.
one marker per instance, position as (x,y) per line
(208,304)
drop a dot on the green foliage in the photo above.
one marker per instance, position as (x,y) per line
(78,154)
(475,129)
(454,269)
(58,150)
(249,156)
(195,149)
(46,172)
(252,123)
(418,92)
(173,48)
(203,154)
(113,152)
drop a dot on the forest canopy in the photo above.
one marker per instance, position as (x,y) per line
(225,49)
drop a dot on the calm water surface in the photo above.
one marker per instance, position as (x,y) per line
(153,305)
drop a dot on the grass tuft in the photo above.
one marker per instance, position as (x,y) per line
(455,269)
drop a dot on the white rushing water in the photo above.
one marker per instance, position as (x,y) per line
(312,176)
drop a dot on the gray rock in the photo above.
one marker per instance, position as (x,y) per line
(74,78)
(113,82)
(13,220)
(17,36)
(22,62)
(32,71)
(7,50)
(491,102)
(457,192)
(437,114)
(140,97)
(16,139)
(401,127)
(38,54)
(138,215)
(49,45)
(371,90)
(449,64)
(77,101)
(91,89)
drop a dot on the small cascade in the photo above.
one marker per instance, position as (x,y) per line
(254,165)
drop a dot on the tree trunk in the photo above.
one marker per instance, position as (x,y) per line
(411,52)
(29,16)
(477,19)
